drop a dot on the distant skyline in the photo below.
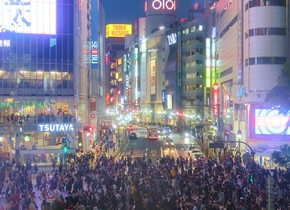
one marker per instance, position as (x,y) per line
(126,11)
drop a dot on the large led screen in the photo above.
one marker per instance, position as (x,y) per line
(28,16)
(269,122)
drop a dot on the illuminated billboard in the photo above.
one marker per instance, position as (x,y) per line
(118,30)
(28,16)
(267,123)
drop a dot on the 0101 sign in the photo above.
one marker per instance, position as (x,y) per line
(164,4)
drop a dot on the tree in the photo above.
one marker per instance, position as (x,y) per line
(279,96)
(282,157)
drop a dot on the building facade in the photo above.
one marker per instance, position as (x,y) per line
(44,85)
(252,50)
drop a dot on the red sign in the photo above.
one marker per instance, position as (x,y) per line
(136,27)
(215,99)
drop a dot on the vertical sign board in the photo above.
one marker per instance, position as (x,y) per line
(163,96)
(136,27)
(240,42)
(153,76)
(93,104)
(93,107)
(215,99)
(94,37)
(169,100)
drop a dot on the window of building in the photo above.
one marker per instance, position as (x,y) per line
(252,61)
(258,3)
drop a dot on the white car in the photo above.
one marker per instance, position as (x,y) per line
(167,130)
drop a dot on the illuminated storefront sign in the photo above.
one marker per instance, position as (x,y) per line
(86,52)
(24,103)
(215,99)
(162,4)
(169,101)
(125,63)
(127,81)
(172,39)
(163,96)
(118,30)
(55,127)
(95,52)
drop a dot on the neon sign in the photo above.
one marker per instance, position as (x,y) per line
(95,52)
(215,99)
(172,39)
(55,127)
(164,4)
(24,103)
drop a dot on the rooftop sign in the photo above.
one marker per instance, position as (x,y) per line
(118,30)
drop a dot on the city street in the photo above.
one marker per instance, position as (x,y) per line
(157,149)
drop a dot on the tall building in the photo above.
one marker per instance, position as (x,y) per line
(45,65)
(252,48)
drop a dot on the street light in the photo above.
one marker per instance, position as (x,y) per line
(239,137)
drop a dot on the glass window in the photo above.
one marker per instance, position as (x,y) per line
(264,60)
(280,60)
(252,61)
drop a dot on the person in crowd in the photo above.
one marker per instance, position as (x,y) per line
(91,181)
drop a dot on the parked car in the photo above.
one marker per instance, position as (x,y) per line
(133,135)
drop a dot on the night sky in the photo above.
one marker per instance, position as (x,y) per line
(126,11)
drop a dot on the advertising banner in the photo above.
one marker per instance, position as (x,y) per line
(118,30)
(169,102)
(153,76)
(267,123)
(28,16)
(215,100)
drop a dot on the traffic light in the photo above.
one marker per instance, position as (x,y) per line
(65,149)
(88,128)
(180,114)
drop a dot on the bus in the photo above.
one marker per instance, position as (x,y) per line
(152,133)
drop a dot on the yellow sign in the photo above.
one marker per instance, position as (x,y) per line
(118,30)
(119,61)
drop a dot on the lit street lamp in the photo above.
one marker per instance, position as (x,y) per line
(239,137)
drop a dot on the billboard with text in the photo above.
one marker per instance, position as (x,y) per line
(118,30)
(267,123)
(28,16)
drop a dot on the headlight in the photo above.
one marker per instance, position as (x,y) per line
(172,143)
(166,143)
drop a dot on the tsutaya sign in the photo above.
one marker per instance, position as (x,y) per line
(55,127)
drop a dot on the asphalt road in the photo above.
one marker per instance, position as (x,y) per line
(157,149)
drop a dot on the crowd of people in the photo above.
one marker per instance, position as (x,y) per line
(89,182)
